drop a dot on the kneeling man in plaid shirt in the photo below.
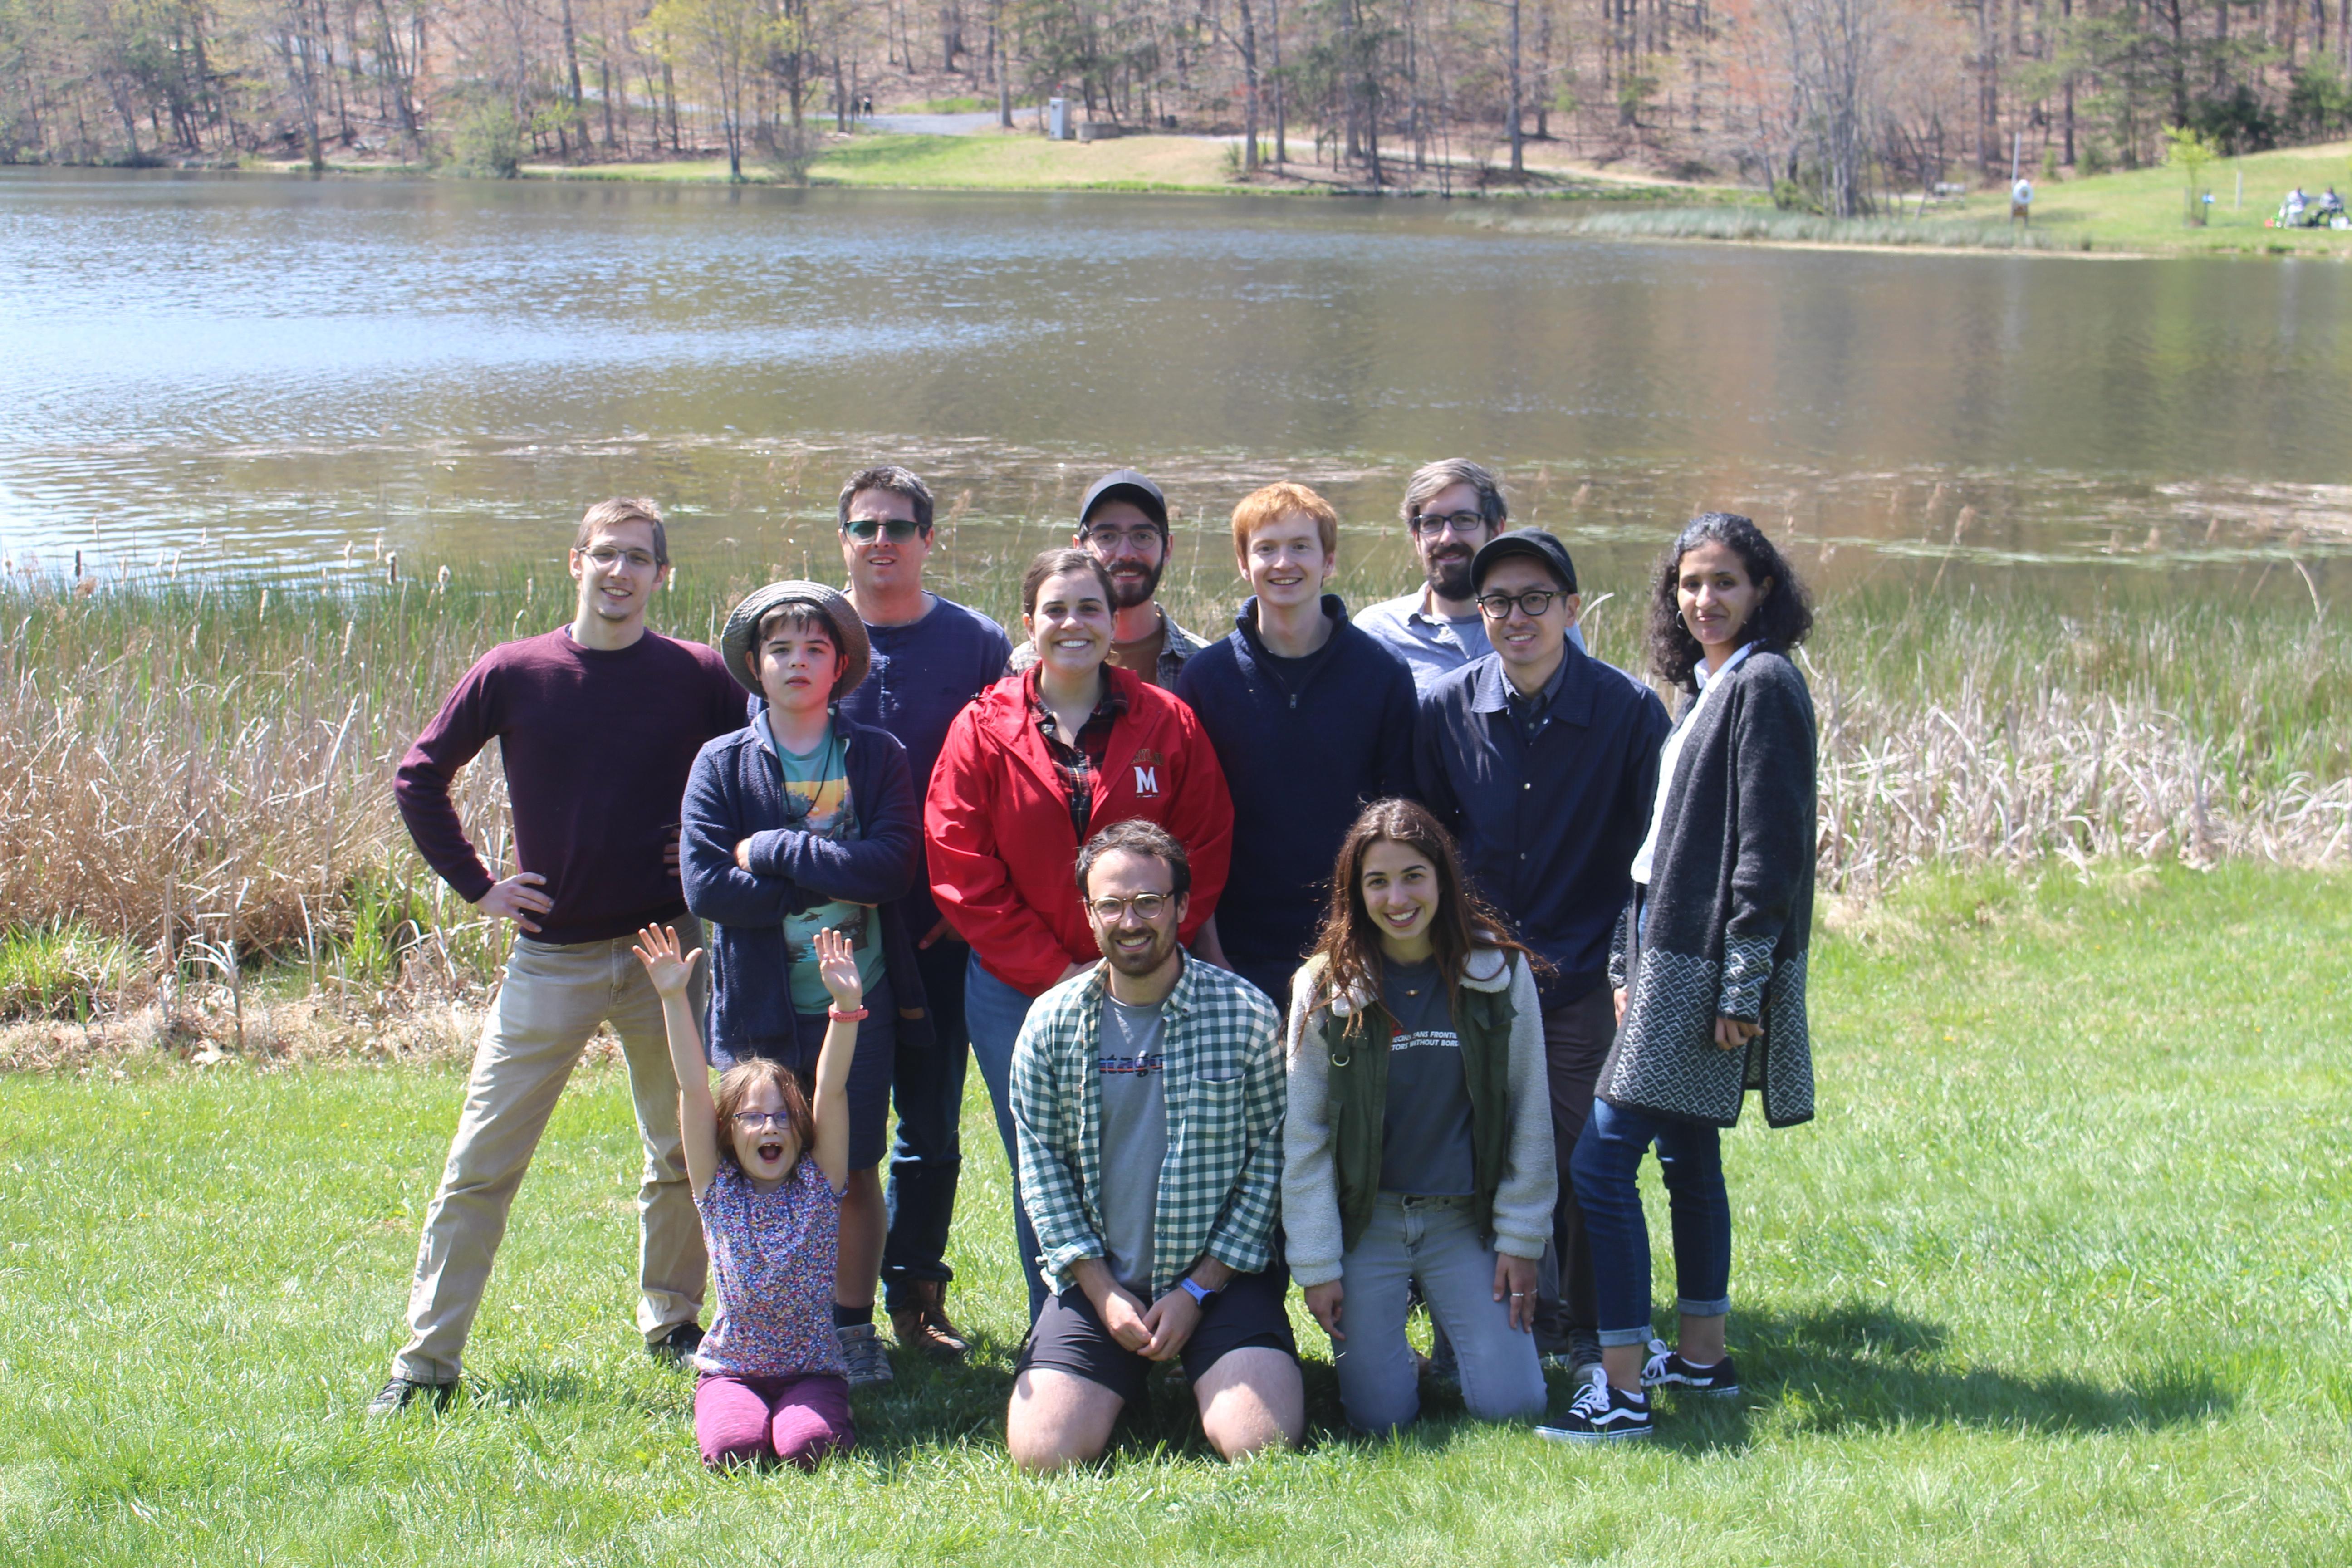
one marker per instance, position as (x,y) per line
(1147,1100)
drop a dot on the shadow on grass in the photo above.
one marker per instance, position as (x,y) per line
(1863,1367)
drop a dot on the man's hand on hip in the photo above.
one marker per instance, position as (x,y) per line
(517,898)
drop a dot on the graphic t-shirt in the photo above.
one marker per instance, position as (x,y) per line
(1134,1137)
(772,1255)
(1425,1125)
(816,782)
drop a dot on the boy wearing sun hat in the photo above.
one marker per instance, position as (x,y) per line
(804,820)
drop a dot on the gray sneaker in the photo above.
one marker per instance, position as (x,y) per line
(861,1346)
(1578,1357)
(399,1392)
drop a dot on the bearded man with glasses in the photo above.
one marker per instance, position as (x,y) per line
(1123,523)
(1542,762)
(598,725)
(1451,507)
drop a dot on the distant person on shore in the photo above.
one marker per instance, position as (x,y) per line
(597,724)
(1417,1145)
(1123,523)
(1148,1090)
(768,1158)
(1707,967)
(1451,507)
(1311,719)
(1541,761)
(800,821)
(931,657)
(1039,764)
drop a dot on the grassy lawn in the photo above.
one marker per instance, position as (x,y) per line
(2059,1275)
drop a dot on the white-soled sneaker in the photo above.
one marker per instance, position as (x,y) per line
(1666,1369)
(861,1348)
(1602,1413)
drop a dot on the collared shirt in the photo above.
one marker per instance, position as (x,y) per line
(1078,761)
(1547,824)
(1672,751)
(1430,644)
(1221,1179)
(1175,650)
(1532,711)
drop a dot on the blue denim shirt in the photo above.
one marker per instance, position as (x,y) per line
(1548,825)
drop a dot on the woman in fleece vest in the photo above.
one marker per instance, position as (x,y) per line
(1418,1142)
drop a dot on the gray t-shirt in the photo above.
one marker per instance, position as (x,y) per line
(1425,1126)
(1134,1137)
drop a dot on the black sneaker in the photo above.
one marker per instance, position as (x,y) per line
(675,1346)
(1577,1356)
(1666,1369)
(1602,1413)
(398,1393)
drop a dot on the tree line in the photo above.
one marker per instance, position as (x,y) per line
(1840,105)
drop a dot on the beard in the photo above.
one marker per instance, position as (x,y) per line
(1449,578)
(1151,958)
(1129,592)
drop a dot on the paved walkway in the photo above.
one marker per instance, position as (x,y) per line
(940,125)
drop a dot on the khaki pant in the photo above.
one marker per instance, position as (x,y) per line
(548,1004)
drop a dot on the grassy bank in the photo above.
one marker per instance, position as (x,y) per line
(2057,1277)
(194,776)
(2137,213)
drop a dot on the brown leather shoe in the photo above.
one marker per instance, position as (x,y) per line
(924,1326)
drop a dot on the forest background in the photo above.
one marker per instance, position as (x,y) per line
(1834,106)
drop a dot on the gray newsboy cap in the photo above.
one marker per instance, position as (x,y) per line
(848,631)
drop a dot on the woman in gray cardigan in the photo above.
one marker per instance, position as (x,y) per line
(1417,1145)
(1709,966)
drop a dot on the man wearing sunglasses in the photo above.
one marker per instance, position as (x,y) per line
(1542,762)
(931,657)
(1123,523)
(1451,507)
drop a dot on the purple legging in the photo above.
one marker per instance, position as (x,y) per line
(747,1420)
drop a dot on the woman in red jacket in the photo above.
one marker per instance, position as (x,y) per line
(1038,764)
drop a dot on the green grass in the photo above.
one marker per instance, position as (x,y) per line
(2058,1276)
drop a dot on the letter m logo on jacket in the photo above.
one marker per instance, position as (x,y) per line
(1148,764)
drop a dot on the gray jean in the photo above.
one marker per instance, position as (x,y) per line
(1436,1241)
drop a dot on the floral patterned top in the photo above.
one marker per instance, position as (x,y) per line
(773,1254)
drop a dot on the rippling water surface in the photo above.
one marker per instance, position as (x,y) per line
(264,371)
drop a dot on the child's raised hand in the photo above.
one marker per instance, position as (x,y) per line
(669,969)
(837,964)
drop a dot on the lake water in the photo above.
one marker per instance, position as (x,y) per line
(263,372)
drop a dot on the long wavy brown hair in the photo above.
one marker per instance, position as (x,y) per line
(1349,942)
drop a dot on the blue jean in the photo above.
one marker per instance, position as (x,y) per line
(927,1158)
(1435,1240)
(1690,1157)
(994,1012)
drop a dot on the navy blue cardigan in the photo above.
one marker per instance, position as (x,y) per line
(736,792)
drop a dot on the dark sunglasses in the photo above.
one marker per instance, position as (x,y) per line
(865,530)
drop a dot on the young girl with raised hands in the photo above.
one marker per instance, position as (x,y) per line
(1418,1143)
(768,1165)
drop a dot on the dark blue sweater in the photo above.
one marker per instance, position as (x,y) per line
(1305,744)
(736,792)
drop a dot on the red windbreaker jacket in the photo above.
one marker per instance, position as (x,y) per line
(1000,845)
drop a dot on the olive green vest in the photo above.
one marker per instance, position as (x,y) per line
(1358,1092)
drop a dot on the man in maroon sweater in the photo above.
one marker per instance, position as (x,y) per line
(597,723)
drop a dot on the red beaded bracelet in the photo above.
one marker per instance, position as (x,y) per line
(837,1015)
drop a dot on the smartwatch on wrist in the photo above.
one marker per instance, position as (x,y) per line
(1193,1287)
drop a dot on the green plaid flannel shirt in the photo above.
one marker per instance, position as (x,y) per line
(1220,1183)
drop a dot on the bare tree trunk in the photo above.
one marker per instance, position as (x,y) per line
(1274,31)
(1248,52)
(1519,152)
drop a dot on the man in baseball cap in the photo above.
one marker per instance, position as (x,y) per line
(801,821)
(1123,523)
(1542,759)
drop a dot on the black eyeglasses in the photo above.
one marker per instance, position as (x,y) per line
(1428,524)
(1535,602)
(1139,540)
(866,529)
(760,1121)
